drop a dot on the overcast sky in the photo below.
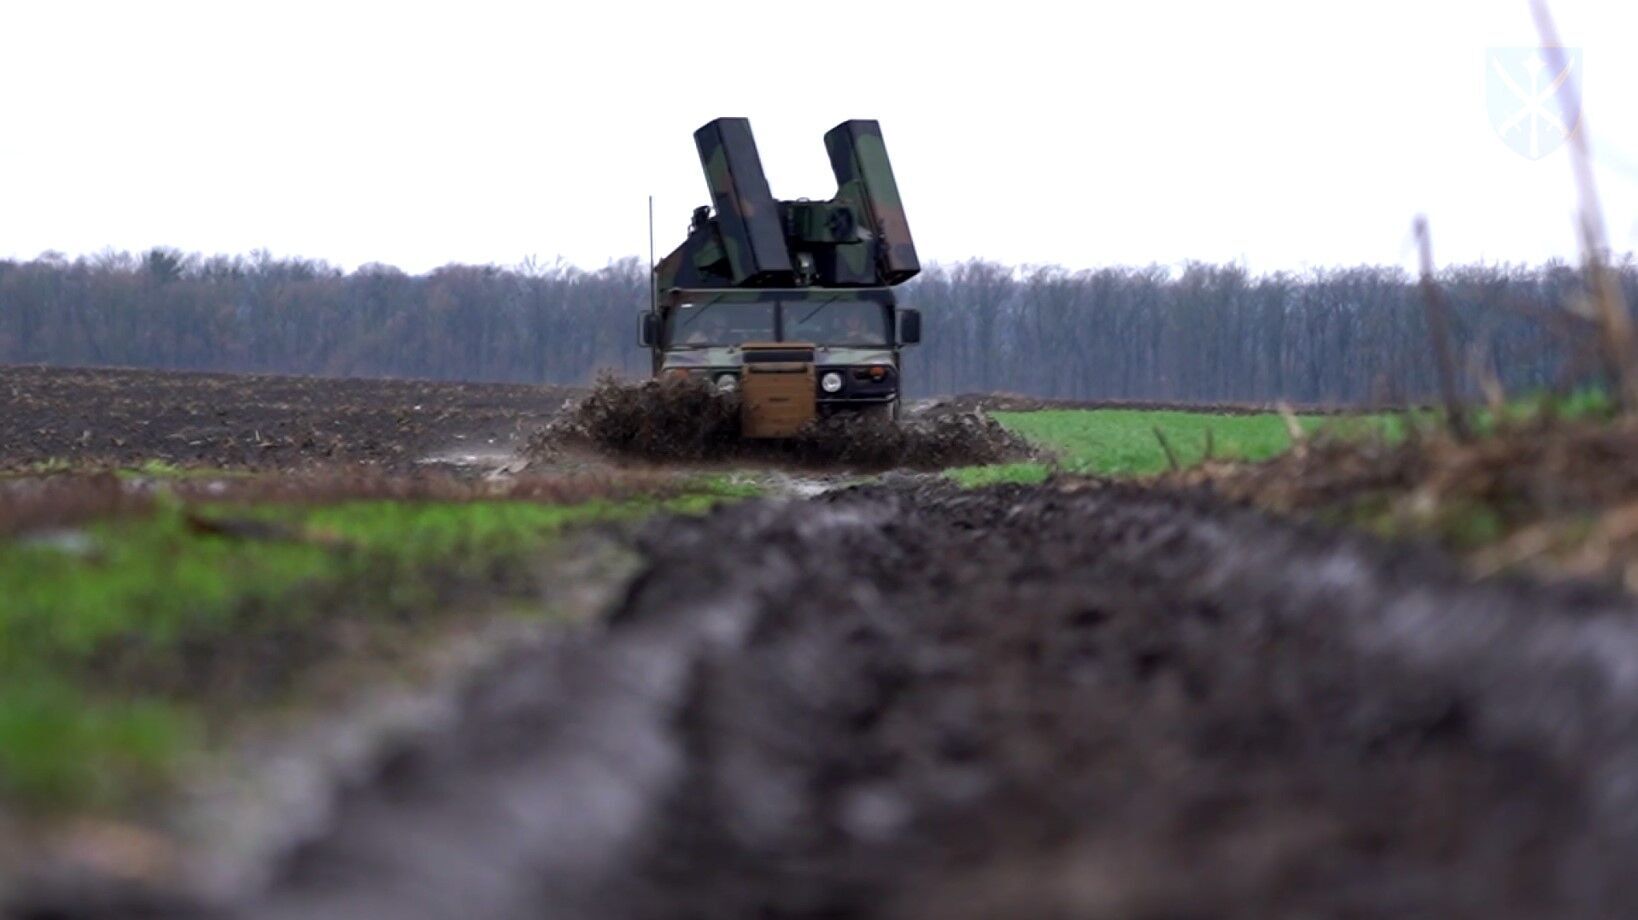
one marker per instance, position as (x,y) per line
(1279,134)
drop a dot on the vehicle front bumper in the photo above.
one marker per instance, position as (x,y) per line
(858,387)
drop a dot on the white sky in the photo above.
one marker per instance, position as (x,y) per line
(1280,134)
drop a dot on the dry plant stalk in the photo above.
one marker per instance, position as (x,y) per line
(1571,552)
(1603,287)
(1438,317)
(1166,446)
(1490,383)
(1293,429)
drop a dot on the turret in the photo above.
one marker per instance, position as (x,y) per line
(747,239)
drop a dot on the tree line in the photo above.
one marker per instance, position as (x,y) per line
(1196,333)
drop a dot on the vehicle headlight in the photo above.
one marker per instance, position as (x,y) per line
(727,383)
(831,382)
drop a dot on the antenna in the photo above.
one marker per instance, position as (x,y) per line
(653,283)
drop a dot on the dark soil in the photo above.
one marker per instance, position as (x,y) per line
(1071,700)
(116,417)
(689,421)
(910,701)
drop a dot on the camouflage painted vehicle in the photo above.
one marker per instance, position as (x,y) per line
(790,302)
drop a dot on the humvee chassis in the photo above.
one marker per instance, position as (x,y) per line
(791,303)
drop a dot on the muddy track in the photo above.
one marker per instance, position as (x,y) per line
(909,701)
(1126,704)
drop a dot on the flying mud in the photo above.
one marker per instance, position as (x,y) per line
(689,421)
(910,701)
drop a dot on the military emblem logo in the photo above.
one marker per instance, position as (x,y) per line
(1534,95)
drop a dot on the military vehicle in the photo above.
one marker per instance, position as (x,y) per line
(791,303)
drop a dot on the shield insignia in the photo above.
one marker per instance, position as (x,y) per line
(1534,96)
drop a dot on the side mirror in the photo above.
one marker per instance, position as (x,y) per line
(909,327)
(648,330)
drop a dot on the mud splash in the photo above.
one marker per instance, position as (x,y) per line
(689,421)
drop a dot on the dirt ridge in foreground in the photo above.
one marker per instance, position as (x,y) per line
(909,700)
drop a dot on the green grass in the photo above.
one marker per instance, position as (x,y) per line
(98,634)
(715,486)
(1463,526)
(148,469)
(1026,473)
(47,467)
(1122,442)
(59,749)
(1588,403)
(159,469)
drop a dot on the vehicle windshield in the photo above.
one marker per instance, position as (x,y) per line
(717,323)
(836,322)
(840,320)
